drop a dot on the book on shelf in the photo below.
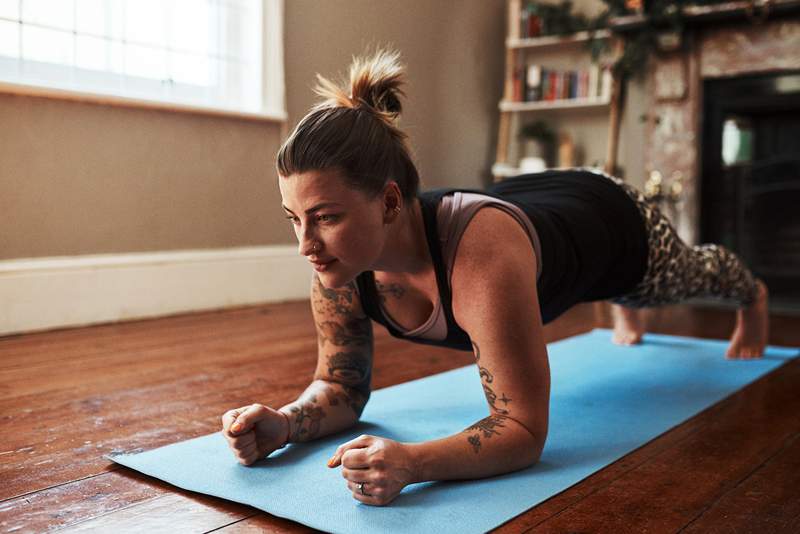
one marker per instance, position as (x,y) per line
(518,85)
(534,83)
(594,77)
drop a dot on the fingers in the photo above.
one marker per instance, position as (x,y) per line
(373,495)
(229,417)
(357,475)
(356,459)
(365,470)
(242,443)
(368,489)
(247,455)
(246,419)
(358,443)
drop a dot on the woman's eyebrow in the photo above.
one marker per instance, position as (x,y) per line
(315,208)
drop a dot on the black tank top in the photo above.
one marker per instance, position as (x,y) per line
(593,244)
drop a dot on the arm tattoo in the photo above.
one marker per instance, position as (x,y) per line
(353,332)
(486,427)
(491,397)
(349,368)
(307,421)
(353,398)
(353,372)
(331,301)
(395,290)
(486,379)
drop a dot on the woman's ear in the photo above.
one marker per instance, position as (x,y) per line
(392,202)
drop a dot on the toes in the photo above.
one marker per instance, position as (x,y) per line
(633,339)
(744,353)
(734,352)
(755,353)
(626,339)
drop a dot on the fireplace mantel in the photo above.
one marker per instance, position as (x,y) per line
(724,12)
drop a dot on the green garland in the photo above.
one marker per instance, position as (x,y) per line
(659,16)
(558,19)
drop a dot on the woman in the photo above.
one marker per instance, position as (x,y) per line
(443,268)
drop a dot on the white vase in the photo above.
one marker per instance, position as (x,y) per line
(531,164)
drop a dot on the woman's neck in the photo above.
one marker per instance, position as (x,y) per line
(406,247)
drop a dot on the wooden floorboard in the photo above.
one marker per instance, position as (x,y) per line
(68,397)
(765,501)
(691,473)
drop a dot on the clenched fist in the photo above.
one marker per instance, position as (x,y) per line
(376,469)
(255,431)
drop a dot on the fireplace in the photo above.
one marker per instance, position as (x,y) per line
(724,117)
(750,175)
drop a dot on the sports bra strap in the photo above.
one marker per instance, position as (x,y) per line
(368,292)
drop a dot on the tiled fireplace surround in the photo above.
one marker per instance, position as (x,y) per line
(715,51)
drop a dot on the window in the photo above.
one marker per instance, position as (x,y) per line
(219,54)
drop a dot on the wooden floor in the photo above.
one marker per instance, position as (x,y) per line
(68,397)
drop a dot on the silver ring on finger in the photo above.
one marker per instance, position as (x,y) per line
(360,486)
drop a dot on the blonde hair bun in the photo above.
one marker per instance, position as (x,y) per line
(374,84)
(352,129)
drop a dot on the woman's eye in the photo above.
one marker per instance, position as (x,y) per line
(326,218)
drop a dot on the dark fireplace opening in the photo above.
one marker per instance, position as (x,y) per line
(750,182)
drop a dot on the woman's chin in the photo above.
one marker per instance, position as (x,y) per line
(334,280)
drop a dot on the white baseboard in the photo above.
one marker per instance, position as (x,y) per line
(45,293)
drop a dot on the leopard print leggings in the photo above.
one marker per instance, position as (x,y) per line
(677,271)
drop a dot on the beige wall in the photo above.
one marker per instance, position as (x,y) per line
(85,179)
(453,50)
(79,178)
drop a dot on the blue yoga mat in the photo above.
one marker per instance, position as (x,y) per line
(606,401)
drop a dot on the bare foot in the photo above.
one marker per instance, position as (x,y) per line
(752,327)
(628,325)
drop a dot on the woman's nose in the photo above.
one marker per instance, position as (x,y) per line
(306,244)
(305,248)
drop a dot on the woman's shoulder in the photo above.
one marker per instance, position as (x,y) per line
(494,257)
(491,234)
(482,226)
(457,209)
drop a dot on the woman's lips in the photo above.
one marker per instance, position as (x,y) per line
(323,265)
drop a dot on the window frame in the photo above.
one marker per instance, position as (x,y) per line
(273,93)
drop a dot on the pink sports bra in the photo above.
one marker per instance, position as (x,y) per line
(452,216)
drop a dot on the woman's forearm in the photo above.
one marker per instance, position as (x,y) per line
(323,408)
(494,445)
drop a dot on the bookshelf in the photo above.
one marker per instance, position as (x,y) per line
(548,77)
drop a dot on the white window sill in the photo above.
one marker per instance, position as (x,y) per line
(278,116)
